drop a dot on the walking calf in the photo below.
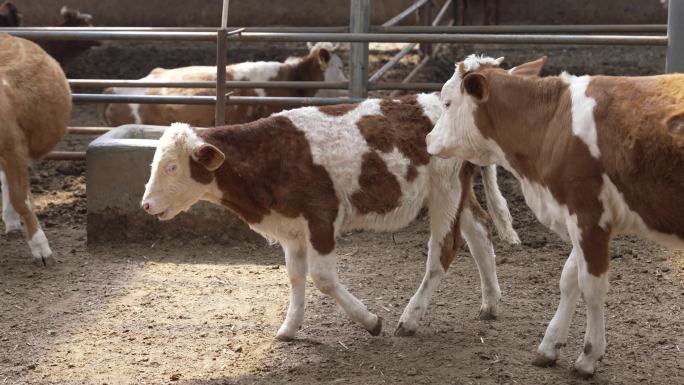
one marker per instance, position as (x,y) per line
(596,156)
(303,176)
(35,104)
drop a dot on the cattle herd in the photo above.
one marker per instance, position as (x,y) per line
(596,156)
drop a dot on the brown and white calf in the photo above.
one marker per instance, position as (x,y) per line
(321,64)
(35,104)
(596,156)
(303,176)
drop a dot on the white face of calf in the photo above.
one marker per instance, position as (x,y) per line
(174,185)
(455,133)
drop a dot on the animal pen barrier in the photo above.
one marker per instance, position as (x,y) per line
(359,33)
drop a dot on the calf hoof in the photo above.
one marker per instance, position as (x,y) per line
(543,361)
(402,331)
(13,228)
(584,367)
(284,337)
(487,314)
(44,261)
(375,331)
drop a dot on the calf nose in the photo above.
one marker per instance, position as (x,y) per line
(146,207)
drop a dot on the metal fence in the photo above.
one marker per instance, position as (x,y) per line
(359,33)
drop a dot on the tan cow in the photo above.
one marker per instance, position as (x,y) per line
(596,156)
(319,65)
(301,177)
(35,104)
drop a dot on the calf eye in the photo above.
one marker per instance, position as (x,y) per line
(447,104)
(171,168)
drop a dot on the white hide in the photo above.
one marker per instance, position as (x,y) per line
(583,123)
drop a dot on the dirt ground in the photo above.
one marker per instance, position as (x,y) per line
(195,312)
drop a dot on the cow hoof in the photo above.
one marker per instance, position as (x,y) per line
(487,314)
(584,367)
(377,328)
(13,228)
(401,331)
(284,337)
(543,361)
(44,261)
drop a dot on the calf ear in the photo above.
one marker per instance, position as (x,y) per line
(208,156)
(323,58)
(532,68)
(477,86)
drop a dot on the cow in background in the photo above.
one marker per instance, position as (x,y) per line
(320,64)
(9,15)
(64,51)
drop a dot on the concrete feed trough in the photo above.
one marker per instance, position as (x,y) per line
(118,166)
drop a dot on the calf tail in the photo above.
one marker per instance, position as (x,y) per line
(497,206)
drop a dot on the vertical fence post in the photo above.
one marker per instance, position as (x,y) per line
(221,46)
(675,37)
(358,72)
(425,15)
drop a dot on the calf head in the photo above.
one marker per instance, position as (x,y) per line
(457,132)
(9,15)
(182,172)
(65,51)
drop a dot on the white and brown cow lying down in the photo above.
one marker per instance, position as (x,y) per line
(596,156)
(303,176)
(35,104)
(321,64)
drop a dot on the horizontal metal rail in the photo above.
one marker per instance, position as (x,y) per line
(65,155)
(100,83)
(495,29)
(405,13)
(499,29)
(179,29)
(84,34)
(87,130)
(454,38)
(211,100)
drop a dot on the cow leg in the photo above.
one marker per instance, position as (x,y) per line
(592,269)
(20,198)
(462,5)
(557,332)
(485,12)
(9,216)
(295,260)
(323,271)
(497,12)
(445,240)
(475,231)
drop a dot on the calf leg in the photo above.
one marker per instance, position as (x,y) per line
(295,260)
(476,234)
(557,332)
(20,198)
(592,269)
(9,215)
(323,271)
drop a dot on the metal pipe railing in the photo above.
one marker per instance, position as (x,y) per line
(211,100)
(352,37)
(221,48)
(527,29)
(405,13)
(102,83)
(87,130)
(493,29)
(454,38)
